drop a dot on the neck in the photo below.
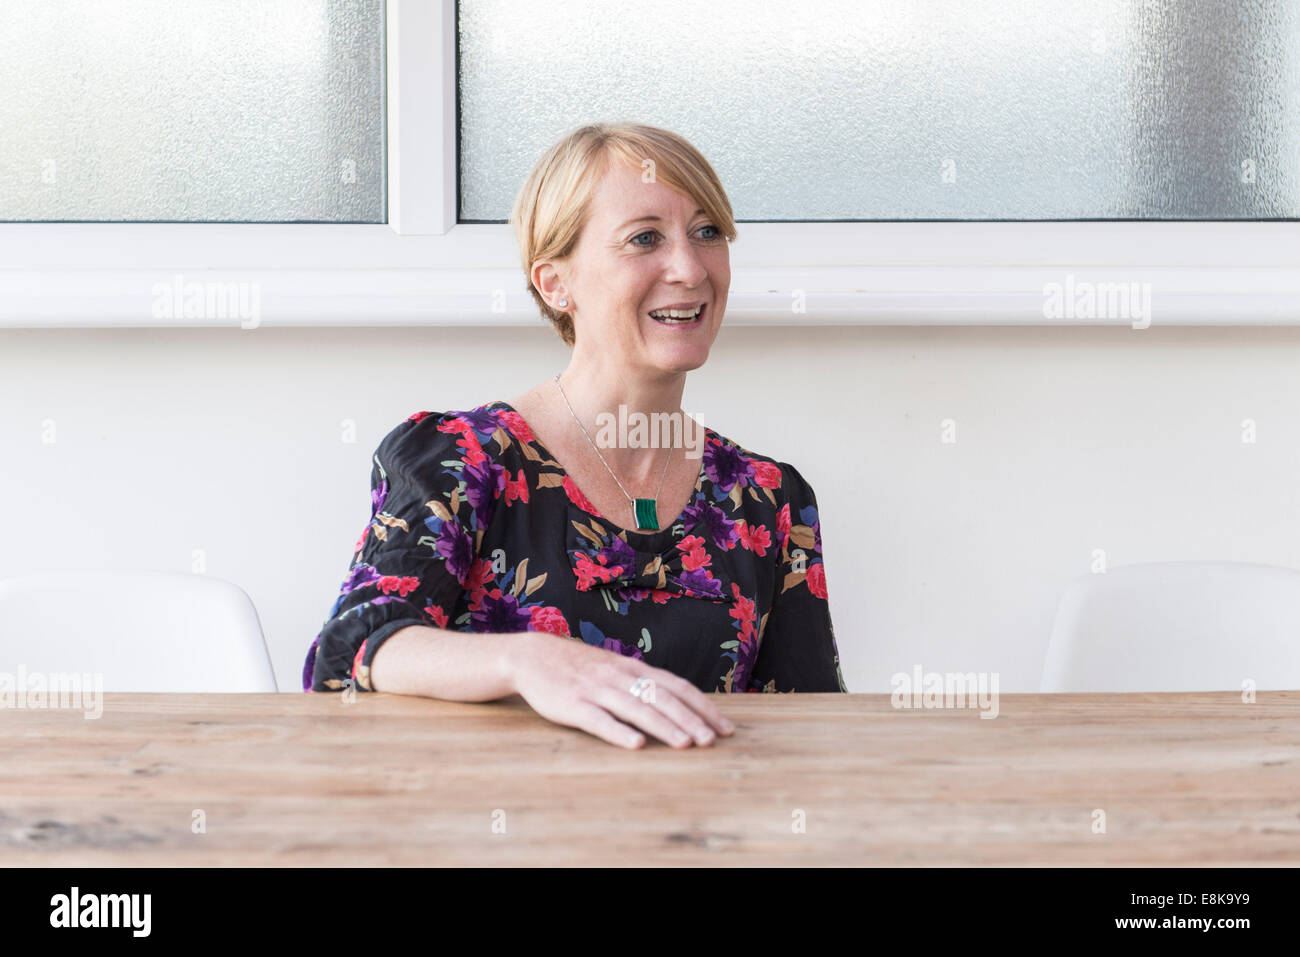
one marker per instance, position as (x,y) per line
(611,404)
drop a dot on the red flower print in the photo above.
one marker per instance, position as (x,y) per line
(516,426)
(477,596)
(516,488)
(474,454)
(480,574)
(391,583)
(437,614)
(475,602)
(578,499)
(416,417)
(476,581)
(783,522)
(756,540)
(589,572)
(362,540)
(743,612)
(356,661)
(455,425)
(661,596)
(547,618)
(816,579)
(696,559)
(767,475)
(693,554)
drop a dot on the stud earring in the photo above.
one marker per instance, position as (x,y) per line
(563,303)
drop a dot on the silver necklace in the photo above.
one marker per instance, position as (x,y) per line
(643,509)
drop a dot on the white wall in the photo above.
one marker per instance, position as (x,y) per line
(950,556)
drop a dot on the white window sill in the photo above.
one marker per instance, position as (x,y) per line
(109,275)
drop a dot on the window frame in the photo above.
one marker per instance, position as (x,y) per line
(424,268)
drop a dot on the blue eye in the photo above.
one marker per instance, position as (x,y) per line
(650,232)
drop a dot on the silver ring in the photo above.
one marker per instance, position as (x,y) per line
(640,685)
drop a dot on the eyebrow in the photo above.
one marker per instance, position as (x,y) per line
(649,219)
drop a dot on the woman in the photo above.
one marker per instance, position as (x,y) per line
(510,522)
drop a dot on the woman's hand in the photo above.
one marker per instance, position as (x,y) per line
(572,683)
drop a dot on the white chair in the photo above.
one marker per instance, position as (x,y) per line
(1177,626)
(142,631)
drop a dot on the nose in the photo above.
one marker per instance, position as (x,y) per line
(684,264)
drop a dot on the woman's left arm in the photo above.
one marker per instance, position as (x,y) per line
(797,651)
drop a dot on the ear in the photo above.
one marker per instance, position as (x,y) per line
(549,283)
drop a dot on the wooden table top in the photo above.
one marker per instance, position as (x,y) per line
(307,779)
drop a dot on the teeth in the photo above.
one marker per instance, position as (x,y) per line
(676,313)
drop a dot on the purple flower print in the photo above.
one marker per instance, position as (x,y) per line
(627,651)
(362,574)
(454,545)
(746,655)
(619,552)
(594,636)
(378,496)
(309,665)
(718,527)
(698,581)
(481,420)
(500,614)
(483,483)
(726,466)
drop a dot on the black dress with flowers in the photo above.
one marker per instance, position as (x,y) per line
(475,527)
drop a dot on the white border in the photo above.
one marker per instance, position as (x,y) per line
(425,269)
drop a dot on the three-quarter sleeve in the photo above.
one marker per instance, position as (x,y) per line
(798,650)
(411,561)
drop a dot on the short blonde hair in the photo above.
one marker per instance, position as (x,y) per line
(554,203)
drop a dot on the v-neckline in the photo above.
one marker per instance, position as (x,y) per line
(627,533)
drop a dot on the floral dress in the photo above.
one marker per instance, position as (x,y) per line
(475,527)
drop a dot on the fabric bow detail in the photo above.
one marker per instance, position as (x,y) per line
(604,560)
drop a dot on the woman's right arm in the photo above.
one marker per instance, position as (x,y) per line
(452,665)
(563,679)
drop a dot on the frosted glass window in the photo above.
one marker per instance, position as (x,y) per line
(192,111)
(907,109)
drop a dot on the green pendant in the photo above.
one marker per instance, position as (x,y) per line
(645,513)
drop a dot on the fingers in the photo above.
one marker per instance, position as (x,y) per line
(637,712)
(599,722)
(689,697)
(682,716)
(590,692)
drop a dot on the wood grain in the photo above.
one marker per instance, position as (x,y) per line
(297,779)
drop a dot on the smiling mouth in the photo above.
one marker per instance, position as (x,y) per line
(675,317)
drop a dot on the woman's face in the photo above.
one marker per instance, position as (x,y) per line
(645,247)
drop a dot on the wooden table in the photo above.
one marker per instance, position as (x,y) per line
(294,779)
